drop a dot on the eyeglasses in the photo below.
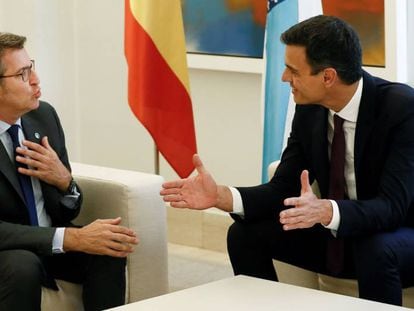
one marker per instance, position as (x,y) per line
(25,73)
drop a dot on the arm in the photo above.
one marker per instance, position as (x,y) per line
(35,239)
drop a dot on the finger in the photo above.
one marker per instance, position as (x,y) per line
(199,164)
(168,191)
(173,198)
(180,204)
(31,162)
(29,172)
(291,201)
(291,212)
(122,230)
(29,153)
(45,143)
(304,181)
(173,184)
(110,221)
(123,238)
(34,146)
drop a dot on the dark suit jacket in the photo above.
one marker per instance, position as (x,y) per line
(15,230)
(383,158)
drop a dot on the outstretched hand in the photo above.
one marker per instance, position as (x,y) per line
(197,192)
(307,209)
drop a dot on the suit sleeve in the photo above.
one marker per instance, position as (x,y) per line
(61,214)
(35,239)
(387,181)
(266,201)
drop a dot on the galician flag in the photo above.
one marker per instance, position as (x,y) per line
(278,100)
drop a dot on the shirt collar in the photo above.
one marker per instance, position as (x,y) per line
(350,111)
(5,126)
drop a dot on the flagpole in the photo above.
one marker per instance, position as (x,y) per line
(156,160)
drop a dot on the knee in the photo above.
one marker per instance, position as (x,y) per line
(21,274)
(375,252)
(22,267)
(235,236)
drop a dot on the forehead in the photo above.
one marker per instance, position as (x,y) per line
(295,57)
(14,59)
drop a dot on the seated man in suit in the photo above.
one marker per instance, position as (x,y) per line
(39,198)
(353,134)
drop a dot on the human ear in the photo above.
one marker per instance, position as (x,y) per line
(329,76)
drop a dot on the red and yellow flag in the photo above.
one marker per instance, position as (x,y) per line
(158,87)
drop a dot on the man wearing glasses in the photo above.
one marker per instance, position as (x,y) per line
(39,198)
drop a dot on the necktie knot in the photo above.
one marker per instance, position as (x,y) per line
(14,134)
(338,123)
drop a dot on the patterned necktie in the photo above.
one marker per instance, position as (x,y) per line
(335,248)
(24,180)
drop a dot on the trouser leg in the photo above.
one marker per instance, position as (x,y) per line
(384,265)
(252,246)
(21,274)
(102,277)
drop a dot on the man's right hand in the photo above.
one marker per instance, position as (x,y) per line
(198,192)
(101,237)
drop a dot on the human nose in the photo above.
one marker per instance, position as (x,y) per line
(286,77)
(34,78)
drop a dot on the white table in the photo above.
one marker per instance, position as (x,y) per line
(246,293)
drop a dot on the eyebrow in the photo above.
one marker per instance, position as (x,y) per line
(291,68)
(22,68)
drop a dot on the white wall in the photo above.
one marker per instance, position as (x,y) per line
(78,47)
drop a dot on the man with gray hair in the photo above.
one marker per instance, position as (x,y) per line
(39,199)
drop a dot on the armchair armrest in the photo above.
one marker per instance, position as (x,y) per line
(134,196)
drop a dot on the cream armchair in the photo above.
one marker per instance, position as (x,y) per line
(134,196)
(297,276)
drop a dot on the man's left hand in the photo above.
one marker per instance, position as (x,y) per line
(308,210)
(43,163)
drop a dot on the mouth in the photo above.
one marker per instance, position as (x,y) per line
(37,94)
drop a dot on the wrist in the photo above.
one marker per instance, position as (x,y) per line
(70,239)
(327,212)
(224,199)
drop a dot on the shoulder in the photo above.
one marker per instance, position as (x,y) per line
(398,95)
(45,110)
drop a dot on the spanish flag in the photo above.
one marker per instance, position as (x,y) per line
(158,86)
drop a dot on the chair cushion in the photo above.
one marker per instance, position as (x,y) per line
(67,298)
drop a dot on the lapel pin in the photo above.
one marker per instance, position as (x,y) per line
(37,135)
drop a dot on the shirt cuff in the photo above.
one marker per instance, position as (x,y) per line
(336,217)
(57,244)
(238,208)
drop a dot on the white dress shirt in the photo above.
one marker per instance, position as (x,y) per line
(42,216)
(350,114)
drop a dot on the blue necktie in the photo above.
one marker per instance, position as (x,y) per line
(24,180)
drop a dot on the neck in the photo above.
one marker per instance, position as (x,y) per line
(340,96)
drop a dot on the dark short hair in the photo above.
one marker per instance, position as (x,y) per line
(9,41)
(329,42)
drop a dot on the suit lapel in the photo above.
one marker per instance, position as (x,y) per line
(32,129)
(8,169)
(33,133)
(365,122)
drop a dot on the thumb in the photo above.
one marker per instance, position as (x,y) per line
(198,164)
(45,142)
(304,182)
(111,221)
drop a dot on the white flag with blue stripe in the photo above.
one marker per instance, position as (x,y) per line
(278,100)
